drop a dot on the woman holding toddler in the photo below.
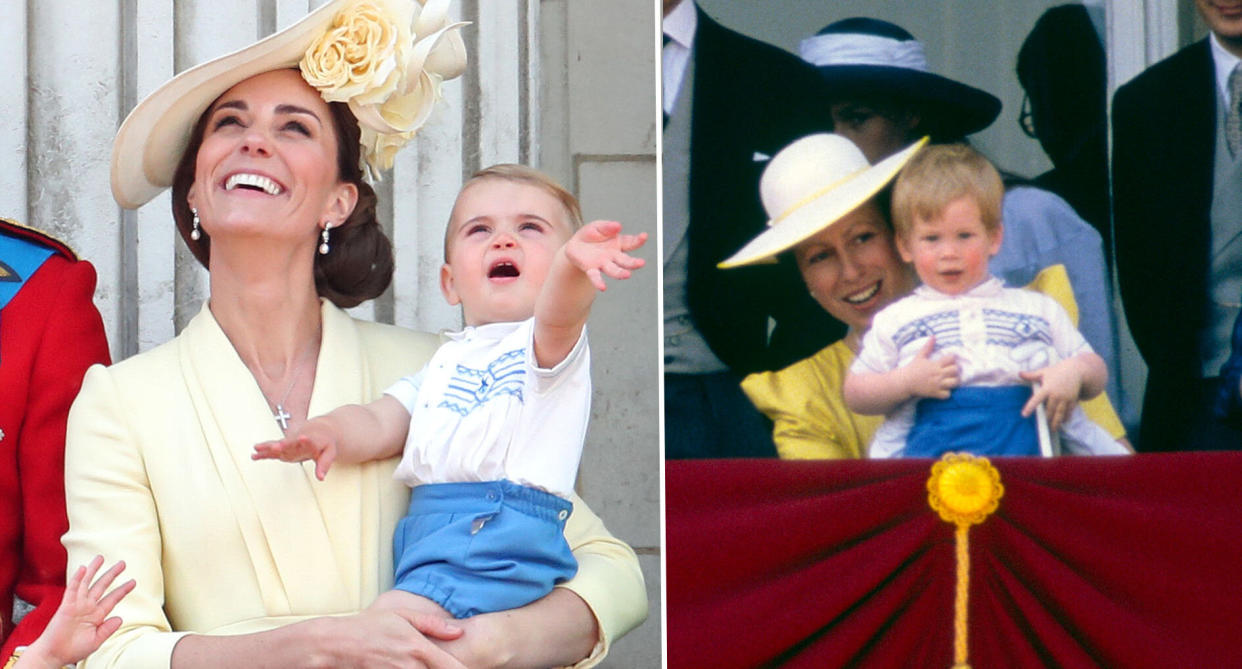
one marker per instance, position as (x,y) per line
(239,564)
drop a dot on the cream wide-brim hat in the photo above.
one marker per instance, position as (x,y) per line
(811,184)
(154,136)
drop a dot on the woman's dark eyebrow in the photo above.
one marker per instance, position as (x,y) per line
(294,109)
(280,109)
(232,104)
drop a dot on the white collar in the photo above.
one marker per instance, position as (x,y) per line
(681,23)
(680,26)
(990,287)
(488,331)
(1225,62)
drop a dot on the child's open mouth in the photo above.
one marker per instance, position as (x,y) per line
(503,270)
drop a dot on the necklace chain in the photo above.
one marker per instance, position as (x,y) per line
(280,415)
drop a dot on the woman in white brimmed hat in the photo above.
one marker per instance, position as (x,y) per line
(884,97)
(241,564)
(828,207)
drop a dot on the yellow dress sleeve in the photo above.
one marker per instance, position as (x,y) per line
(609,579)
(112,512)
(1054,282)
(805,404)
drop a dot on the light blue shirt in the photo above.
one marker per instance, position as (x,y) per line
(1041,230)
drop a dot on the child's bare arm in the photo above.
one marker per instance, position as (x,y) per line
(81,623)
(595,250)
(352,433)
(873,394)
(1063,384)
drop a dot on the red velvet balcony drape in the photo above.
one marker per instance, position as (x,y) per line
(1089,562)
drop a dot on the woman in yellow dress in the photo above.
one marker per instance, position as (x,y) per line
(830,211)
(239,563)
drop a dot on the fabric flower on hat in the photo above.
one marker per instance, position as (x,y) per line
(358,55)
(387,59)
(379,149)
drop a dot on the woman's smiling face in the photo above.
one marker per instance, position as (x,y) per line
(268,161)
(852,268)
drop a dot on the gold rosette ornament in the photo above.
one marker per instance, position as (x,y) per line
(387,59)
(963,490)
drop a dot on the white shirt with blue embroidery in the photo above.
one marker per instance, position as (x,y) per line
(994,332)
(483,410)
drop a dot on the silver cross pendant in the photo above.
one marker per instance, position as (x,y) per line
(282,417)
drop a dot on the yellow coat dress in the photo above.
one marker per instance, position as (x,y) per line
(158,473)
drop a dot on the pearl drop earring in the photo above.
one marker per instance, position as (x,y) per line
(195,234)
(323,245)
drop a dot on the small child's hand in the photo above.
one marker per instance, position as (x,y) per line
(81,624)
(1058,386)
(313,441)
(931,378)
(599,248)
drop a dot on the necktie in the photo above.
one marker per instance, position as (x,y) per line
(1233,118)
(666,39)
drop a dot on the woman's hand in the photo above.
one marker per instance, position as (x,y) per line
(484,643)
(555,631)
(396,638)
(386,639)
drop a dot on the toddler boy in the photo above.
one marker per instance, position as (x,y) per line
(493,426)
(949,365)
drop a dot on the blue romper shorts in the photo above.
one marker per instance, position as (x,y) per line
(480,547)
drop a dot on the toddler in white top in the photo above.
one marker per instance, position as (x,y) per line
(491,429)
(991,340)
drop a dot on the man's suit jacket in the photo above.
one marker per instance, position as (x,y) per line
(50,332)
(749,98)
(1164,125)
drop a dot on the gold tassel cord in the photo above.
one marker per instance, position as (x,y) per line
(963,490)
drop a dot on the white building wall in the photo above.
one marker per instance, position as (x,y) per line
(597,130)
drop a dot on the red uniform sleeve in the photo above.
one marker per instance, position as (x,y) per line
(50,334)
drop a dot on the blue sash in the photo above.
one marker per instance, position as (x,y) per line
(982,421)
(19,258)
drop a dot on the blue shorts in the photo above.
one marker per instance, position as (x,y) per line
(479,547)
(981,421)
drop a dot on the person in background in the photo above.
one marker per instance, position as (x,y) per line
(50,333)
(884,98)
(730,103)
(1061,67)
(1177,203)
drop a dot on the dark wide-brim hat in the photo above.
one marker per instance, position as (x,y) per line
(864,58)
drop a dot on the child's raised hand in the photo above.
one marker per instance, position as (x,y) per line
(926,377)
(599,248)
(81,623)
(313,441)
(1059,387)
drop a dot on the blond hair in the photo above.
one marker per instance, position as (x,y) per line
(529,176)
(940,174)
